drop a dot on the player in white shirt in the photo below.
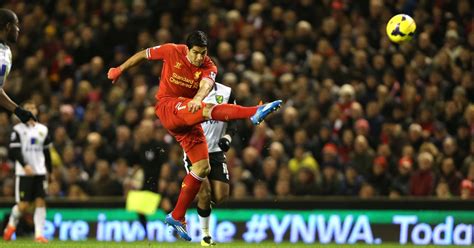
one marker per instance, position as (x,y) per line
(218,137)
(29,149)
(9,31)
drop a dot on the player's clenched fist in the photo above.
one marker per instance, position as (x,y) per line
(114,73)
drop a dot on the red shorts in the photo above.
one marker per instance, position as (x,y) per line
(184,126)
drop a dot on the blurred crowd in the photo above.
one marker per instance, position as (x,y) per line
(362,116)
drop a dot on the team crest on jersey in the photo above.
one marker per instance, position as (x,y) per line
(219,99)
(197,74)
(41,134)
(177,65)
(149,155)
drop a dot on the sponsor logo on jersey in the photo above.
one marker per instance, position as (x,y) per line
(183,81)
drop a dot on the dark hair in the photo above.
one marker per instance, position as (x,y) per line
(196,38)
(6,16)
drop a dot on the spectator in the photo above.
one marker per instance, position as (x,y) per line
(305,182)
(379,176)
(362,156)
(442,190)
(239,191)
(260,191)
(151,154)
(367,191)
(422,182)
(415,136)
(331,181)
(76,193)
(104,184)
(303,159)
(8,189)
(401,181)
(277,152)
(352,181)
(74,175)
(283,189)
(467,189)
(251,161)
(450,149)
(269,173)
(450,176)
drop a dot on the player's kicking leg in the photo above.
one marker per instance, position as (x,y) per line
(224,112)
(227,112)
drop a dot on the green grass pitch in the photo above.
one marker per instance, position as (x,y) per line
(147,244)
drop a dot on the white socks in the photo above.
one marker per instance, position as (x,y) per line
(204,225)
(14,216)
(39,219)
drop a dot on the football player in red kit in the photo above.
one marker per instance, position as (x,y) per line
(187,77)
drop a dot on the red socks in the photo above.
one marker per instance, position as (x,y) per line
(227,112)
(189,189)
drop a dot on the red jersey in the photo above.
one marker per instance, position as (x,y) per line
(179,78)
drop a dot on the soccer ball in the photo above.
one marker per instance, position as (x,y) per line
(401,28)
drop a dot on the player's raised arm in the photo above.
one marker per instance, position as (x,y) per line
(115,72)
(152,53)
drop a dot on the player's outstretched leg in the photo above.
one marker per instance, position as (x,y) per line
(227,112)
(264,110)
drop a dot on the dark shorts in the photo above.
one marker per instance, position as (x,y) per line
(28,188)
(218,164)
(184,126)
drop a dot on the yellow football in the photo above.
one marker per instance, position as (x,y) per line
(401,28)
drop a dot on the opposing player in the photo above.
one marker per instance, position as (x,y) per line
(9,34)
(187,77)
(29,148)
(215,189)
